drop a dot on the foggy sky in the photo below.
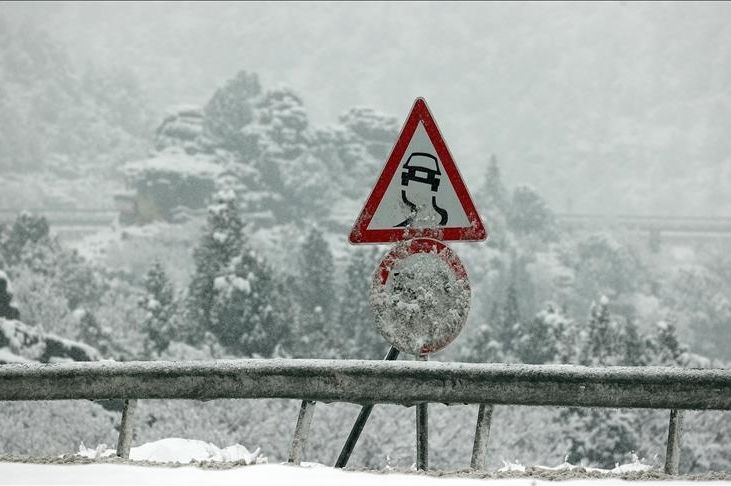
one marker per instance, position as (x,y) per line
(564,93)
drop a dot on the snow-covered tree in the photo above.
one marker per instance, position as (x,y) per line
(230,110)
(529,214)
(493,203)
(601,343)
(492,194)
(94,333)
(484,348)
(599,436)
(601,266)
(159,306)
(633,344)
(508,323)
(281,124)
(354,150)
(299,185)
(700,300)
(26,230)
(538,340)
(665,345)
(249,314)
(7,309)
(356,330)
(222,240)
(316,295)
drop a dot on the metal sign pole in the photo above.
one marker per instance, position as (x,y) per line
(360,422)
(422,430)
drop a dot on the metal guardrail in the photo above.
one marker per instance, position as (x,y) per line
(368,382)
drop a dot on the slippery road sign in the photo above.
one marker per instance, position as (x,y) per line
(420,192)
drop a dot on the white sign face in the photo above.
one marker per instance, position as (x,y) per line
(420,195)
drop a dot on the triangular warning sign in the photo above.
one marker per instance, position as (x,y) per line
(420,192)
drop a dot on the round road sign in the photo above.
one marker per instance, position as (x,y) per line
(420,296)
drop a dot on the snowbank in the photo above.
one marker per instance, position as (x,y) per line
(182,451)
(20,342)
(635,466)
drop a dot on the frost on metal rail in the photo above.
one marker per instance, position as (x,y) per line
(401,382)
(368,382)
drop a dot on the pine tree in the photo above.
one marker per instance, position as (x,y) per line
(7,310)
(493,193)
(493,203)
(484,348)
(316,295)
(93,333)
(599,436)
(231,109)
(158,303)
(666,346)
(600,348)
(27,229)
(529,214)
(356,328)
(221,242)
(635,353)
(249,314)
(507,328)
(538,339)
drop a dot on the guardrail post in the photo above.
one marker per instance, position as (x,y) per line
(301,432)
(482,434)
(360,422)
(422,432)
(672,456)
(126,428)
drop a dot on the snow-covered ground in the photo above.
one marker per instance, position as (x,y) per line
(261,474)
(253,470)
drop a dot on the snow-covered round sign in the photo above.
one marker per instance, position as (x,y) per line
(420,296)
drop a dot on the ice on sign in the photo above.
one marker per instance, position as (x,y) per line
(420,296)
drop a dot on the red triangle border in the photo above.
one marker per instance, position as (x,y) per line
(360,233)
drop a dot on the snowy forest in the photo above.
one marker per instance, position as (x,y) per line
(233,195)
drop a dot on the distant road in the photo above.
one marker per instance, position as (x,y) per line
(63,217)
(661,223)
(68,222)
